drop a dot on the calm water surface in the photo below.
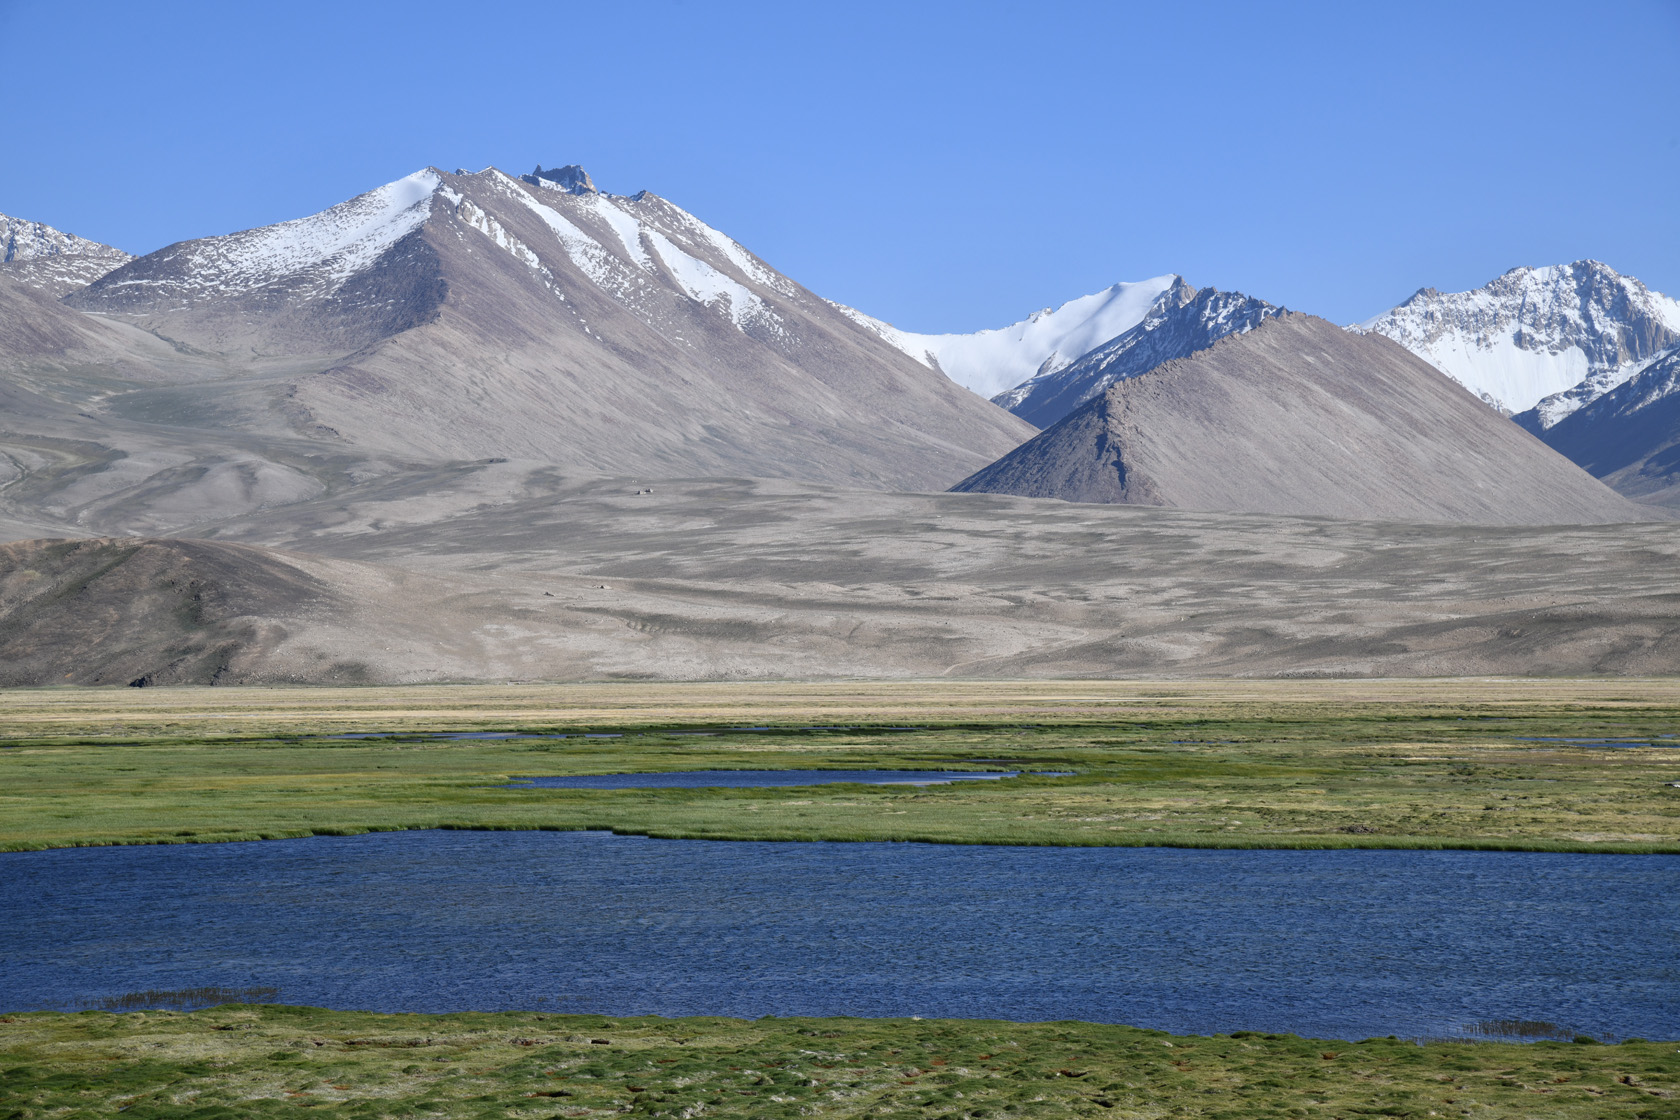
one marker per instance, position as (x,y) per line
(1331,944)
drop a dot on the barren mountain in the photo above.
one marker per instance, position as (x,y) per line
(1298,416)
(143,612)
(466,316)
(1538,341)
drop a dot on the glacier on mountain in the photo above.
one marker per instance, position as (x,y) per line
(1539,341)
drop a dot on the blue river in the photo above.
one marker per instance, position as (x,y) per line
(1338,944)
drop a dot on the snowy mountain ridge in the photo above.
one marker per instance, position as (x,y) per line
(1542,339)
(313,255)
(476,314)
(991,361)
(1181,322)
(23,240)
(634,248)
(38,256)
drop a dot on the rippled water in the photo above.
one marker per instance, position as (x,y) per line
(760,779)
(1341,944)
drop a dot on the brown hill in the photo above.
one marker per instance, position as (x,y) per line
(143,612)
(1301,417)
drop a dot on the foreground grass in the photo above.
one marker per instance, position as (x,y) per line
(240,1061)
(1284,766)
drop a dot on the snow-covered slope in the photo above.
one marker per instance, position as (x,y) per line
(991,361)
(50,260)
(1181,322)
(309,256)
(1548,339)
(23,240)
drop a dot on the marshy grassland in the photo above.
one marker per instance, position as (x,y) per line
(239,1061)
(1271,764)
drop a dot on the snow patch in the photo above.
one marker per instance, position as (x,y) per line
(494,230)
(706,284)
(628,229)
(605,270)
(902,340)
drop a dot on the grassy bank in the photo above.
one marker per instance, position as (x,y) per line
(1284,765)
(240,1061)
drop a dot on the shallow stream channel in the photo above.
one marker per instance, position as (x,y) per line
(1333,944)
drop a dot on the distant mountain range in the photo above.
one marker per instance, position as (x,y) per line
(452,317)
(1536,344)
(1046,341)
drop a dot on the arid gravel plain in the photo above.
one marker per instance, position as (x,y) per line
(511,571)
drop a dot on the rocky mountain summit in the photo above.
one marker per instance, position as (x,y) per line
(571,179)
(38,256)
(1538,341)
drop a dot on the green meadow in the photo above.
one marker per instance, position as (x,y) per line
(239,1061)
(1280,766)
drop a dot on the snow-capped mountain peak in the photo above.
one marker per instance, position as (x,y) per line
(38,256)
(1548,339)
(991,361)
(23,240)
(311,256)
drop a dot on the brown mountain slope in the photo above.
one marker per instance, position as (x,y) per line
(1630,436)
(38,332)
(1301,417)
(144,612)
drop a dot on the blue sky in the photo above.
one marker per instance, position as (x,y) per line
(943,166)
